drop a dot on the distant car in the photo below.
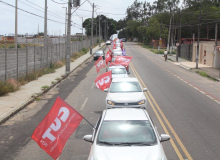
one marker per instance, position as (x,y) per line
(117,53)
(125,92)
(126,134)
(113,63)
(108,42)
(118,71)
(123,39)
(98,53)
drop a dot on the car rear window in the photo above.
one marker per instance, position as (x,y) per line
(125,87)
(118,70)
(127,131)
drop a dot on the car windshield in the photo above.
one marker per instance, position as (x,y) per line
(125,87)
(98,52)
(133,132)
(118,70)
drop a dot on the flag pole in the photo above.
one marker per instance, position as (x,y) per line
(89,123)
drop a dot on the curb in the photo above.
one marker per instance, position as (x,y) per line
(12,113)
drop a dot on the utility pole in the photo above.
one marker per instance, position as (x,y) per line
(178,47)
(99,32)
(45,32)
(91,42)
(96,32)
(38,34)
(168,41)
(65,28)
(68,38)
(107,31)
(160,36)
(82,29)
(16,23)
(197,55)
(216,39)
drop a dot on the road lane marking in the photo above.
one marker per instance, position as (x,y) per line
(217,101)
(202,92)
(92,85)
(210,97)
(160,120)
(84,103)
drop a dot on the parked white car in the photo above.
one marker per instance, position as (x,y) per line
(125,92)
(126,134)
(118,71)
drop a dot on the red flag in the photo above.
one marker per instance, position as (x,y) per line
(123,60)
(110,50)
(99,64)
(55,129)
(108,58)
(114,46)
(104,80)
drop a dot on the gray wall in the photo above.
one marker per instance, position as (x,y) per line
(186,51)
(25,60)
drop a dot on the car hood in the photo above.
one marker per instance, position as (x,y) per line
(125,97)
(127,153)
(119,75)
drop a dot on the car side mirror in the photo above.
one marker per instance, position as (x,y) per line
(106,90)
(88,138)
(164,137)
(145,90)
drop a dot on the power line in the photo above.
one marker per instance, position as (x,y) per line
(59,3)
(43,8)
(30,12)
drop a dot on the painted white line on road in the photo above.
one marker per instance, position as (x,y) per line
(191,85)
(217,101)
(195,88)
(202,92)
(84,103)
(210,97)
(92,85)
(185,82)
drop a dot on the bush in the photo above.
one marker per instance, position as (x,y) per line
(11,85)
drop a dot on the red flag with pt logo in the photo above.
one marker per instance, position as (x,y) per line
(123,60)
(108,58)
(104,80)
(99,64)
(56,128)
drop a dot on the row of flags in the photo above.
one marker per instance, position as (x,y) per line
(62,120)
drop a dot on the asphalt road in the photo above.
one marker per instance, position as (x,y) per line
(190,117)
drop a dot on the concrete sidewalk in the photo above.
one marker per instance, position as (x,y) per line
(212,72)
(14,102)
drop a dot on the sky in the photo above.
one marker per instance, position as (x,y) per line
(28,23)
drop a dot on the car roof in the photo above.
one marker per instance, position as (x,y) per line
(128,79)
(125,114)
(116,67)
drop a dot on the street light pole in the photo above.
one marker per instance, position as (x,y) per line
(99,32)
(91,41)
(65,28)
(107,31)
(68,38)
(45,31)
(16,22)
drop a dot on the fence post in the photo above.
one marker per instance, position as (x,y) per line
(17,63)
(41,63)
(5,61)
(26,56)
(51,48)
(34,56)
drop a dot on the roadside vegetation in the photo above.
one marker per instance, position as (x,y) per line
(12,85)
(204,74)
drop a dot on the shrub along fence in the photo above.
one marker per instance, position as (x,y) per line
(17,63)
